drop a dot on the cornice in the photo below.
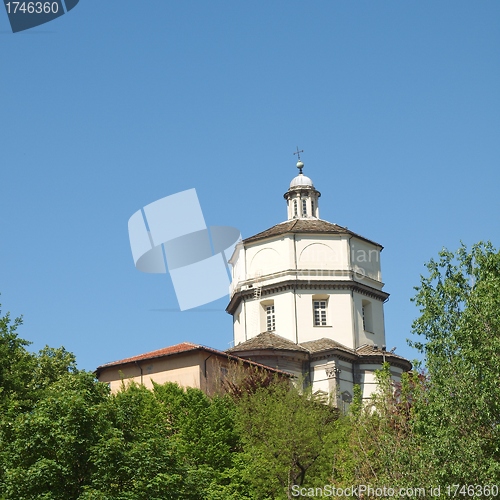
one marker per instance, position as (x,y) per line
(301,190)
(295,284)
(339,353)
(272,352)
(379,358)
(359,360)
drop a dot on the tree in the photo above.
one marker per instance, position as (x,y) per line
(285,437)
(47,453)
(24,379)
(16,363)
(168,443)
(441,426)
(382,448)
(459,415)
(136,457)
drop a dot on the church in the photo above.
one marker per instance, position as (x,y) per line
(307,299)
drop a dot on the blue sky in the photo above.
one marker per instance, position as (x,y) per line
(118,104)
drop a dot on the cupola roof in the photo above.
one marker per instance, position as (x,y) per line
(301,181)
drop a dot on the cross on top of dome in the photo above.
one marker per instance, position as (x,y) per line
(301,180)
(300,165)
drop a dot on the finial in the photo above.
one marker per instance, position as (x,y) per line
(300,165)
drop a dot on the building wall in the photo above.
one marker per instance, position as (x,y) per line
(338,316)
(268,257)
(199,369)
(286,253)
(160,371)
(184,369)
(288,362)
(365,260)
(344,317)
(250,318)
(374,320)
(334,386)
(309,258)
(323,253)
(339,253)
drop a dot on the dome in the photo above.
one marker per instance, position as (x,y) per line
(301,181)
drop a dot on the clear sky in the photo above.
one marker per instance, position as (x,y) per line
(118,104)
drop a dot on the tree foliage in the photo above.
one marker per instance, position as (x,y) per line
(64,436)
(439,426)
(382,447)
(459,417)
(284,435)
(16,364)
(49,447)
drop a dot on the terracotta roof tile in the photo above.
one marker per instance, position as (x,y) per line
(324,344)
(186,347)
(368,350)
(267,340)
(173,349)
(305,226)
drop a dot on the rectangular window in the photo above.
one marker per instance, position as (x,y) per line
(271,322)
(295,213)
(312,208)
(366,316)
(304,208)
(319,312)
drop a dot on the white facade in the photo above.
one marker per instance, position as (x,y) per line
(292,271)
(308,281)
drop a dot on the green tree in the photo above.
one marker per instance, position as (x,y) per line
(285,437)
(47,453)
(16,363)
(63,436)
(442,426)
(168,443)
(205,425)
(24,378)
(136,457)
(381,448)
(459,415)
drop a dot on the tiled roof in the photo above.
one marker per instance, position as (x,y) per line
(368,350)
(173,349)
(305,226)
(315,346)
(185,347)
(267,340)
